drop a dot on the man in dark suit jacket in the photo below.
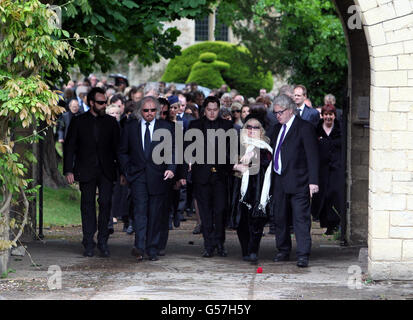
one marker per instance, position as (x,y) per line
(90,157)
(305,112)
(295,179)
(210,178)
(65,118)
(148,180)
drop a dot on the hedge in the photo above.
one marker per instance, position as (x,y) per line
(241,75)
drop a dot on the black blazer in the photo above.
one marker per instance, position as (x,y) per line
(201,172)
(82,152)
(299,156)
(132,158)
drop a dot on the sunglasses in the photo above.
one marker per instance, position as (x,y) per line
(101,101)
(279,113)
(249,127)
(147,110)
(237,111)
(165,113)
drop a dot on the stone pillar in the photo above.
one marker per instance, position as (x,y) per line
(211,27)
(388,28)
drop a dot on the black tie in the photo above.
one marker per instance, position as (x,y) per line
(147,143)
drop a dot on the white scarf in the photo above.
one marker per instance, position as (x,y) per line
(251,144)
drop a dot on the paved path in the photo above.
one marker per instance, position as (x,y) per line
(184,274)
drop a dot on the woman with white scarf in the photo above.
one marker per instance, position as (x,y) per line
(254,194)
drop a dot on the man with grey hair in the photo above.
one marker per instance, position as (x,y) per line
(149,181)
(294,179)
(226,101)
(287,90)
(151,90)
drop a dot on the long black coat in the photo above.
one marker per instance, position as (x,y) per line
(331,177)
(85,149)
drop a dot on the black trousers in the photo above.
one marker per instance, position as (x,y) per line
(148,213)
(212,201)
(298,206)
(163,239)
(88,209)
(249,232)
(120,208)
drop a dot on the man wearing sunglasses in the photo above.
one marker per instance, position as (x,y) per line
(294,179)
(149,181)
(90,157)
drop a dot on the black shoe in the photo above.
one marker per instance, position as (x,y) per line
(177,220)
(161,253)
(111,230)
(138,254)
(181,217)
(197,229)
(330,231)
(153,258)
(221,250)
(188,212)
(208,254)
(253,258)
(89,252)
(104,251)
(125,228)
(246,258)
(281,257)
(302,262)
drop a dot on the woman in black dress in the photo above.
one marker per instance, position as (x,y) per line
(327,203)
(253,206)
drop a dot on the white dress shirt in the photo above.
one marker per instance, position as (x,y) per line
(288,126)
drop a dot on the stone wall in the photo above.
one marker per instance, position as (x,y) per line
(389,31)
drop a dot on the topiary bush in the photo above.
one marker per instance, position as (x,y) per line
(208,71)
(241,75)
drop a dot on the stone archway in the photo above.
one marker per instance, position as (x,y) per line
(380,135)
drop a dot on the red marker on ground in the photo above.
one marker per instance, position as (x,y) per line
(259,270)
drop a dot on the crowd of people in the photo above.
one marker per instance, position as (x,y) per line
(288,174)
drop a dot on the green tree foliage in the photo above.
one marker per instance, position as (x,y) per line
(131,27)
(304,37)
(29,49)
(242,74)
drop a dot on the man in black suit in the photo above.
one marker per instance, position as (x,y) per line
(90,157)
(148,180)
(295,179)
(210,177)
(305,112)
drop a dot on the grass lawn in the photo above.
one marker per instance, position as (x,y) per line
(61,207)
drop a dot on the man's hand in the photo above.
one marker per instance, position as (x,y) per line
(122,180)
(182,182)
(313,189)
(70,178)
(168,175)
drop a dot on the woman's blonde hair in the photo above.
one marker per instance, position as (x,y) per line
(262,130)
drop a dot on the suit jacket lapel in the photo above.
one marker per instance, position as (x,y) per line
(291,130)
(139,136)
